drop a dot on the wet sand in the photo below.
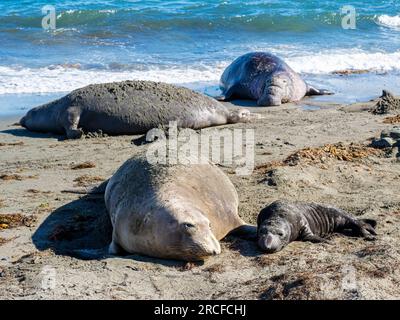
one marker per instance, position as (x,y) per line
(54,252)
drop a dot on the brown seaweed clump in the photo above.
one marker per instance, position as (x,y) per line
(14,220)
(387,103)
(338,151)
(84,165)
(19,143)
(86,180)
(347,72)
(17,177)
(392,120)
(315,155)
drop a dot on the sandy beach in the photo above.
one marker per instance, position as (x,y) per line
(52,246)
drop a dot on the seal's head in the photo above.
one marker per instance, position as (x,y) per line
(240,115)
(184,235)
(189,236)
(273,235)
(280,84)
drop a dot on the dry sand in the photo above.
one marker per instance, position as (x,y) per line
(50,249)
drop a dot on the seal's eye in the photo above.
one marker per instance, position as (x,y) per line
(280,234)
(189,225)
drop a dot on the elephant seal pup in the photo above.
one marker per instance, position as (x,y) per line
(266,78)
(170,211)
(129,107)
(283,222)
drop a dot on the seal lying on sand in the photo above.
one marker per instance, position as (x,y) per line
(283,222)
(266,78)
(129,107)
(171,211)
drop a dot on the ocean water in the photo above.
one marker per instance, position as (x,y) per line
(190,43)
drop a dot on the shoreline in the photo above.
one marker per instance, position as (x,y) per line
(348,89)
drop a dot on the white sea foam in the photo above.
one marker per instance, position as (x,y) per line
(60,79)
(389,21)
(344,60)
(69,77)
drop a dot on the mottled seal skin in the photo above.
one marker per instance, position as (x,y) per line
(170,211)
(129,107)
(284,221)
(264,77)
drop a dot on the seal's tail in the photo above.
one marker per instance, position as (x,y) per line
(22,122)
(311,91)
(245,231)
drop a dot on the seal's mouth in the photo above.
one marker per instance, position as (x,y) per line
(202,251)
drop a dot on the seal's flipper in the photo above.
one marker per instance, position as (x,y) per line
(363,228)
(70,123)
(227,94)
(371,222)
(368,227)
(221,97)
(101,189)
(314,239)
(311,91)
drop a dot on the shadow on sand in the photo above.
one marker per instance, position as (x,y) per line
(246,247)
(82,229)
(22,132)
(244,103)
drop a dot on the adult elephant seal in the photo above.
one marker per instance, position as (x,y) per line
(171,211)
(283,222)
(266,78)
(129,107)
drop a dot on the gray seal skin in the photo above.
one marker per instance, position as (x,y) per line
(283,222)
(170,211)
(129,107)
(265,78)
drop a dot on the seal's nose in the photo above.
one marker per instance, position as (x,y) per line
(216,247)
(267,243)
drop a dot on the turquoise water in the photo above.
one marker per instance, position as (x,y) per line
(190,43)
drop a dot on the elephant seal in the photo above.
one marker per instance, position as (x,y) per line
(266,78)
(170,211)
(283,222)
(129,107)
